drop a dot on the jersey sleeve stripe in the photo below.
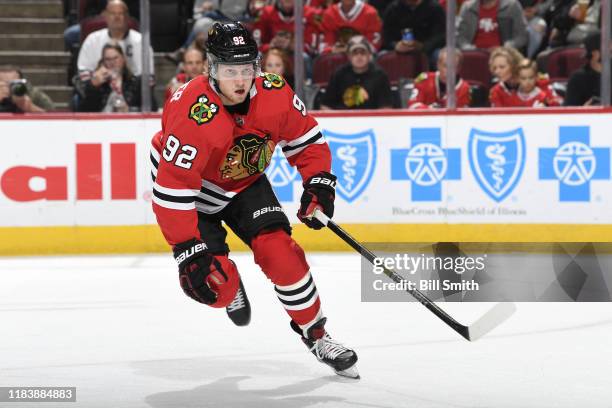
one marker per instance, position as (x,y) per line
(317,140)
(174,199)
(300,140)
(172,205)
(183,192)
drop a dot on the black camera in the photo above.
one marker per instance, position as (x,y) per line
(19,87)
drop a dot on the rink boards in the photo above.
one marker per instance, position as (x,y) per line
(81,184)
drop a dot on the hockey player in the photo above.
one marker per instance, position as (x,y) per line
(217,138)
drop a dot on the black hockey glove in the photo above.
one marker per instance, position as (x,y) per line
(319,191)
(195,266)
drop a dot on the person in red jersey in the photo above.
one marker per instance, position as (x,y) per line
(275,25)
(346,19)
(217,139)
(430,87)
(534,90)
(503,64)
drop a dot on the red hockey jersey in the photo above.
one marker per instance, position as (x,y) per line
(204,155)
(501,96)
(362,19)
(427,94)
(271,21)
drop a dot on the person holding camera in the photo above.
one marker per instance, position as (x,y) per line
(18,96)
(112,86)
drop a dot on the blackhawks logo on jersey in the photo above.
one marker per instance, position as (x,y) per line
(272,81)
(249,155)
(202,111)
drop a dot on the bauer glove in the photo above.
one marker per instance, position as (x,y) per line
(196,268)
(319,192)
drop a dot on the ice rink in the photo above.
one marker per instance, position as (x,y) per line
(120,329)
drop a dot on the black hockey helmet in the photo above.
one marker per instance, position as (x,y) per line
(231,43)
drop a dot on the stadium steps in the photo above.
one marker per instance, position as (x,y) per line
(31,8)
(44,75)
(32,42)
(31,25)
(58,93)
(24,59)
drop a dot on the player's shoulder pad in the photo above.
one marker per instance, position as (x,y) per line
(422,76)
(270,81)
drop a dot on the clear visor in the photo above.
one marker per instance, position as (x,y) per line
(246,71)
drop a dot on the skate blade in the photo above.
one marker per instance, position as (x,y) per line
(350,372)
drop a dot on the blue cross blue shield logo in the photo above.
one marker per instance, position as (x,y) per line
(282,176)
(353,161)
(426,164)
(574,163)
(497,160)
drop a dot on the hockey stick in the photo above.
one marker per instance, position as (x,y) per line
(491,319)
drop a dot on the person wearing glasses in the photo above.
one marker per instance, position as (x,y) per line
(112,87)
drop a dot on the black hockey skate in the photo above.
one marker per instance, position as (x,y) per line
(239,311)
(327,350)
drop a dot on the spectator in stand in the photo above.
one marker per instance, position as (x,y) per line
(220,10)
(575,22)
(278,62)
(426,20)
(551,10)
(504,63)
(72,34)
(17,95)
(430,87)
(275,25)
(533,91)
(536,27)
(112,87)
(583,88)
(358,84)
(348,18)
(487,24)
(116,14)
(192,66)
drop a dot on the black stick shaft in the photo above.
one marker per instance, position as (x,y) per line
(418,295)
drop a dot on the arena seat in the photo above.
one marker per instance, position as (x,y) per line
(402,65)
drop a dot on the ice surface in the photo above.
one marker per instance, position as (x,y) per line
(120,330)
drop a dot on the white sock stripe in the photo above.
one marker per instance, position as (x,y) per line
(298,296)
(302,305)
(296,285)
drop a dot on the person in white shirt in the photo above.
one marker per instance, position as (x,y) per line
(116,14)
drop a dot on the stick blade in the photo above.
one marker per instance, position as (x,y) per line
(490,320)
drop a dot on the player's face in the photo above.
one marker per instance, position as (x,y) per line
(235,82)
(274,64)
(193,63)
(500,67)
(527,80)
